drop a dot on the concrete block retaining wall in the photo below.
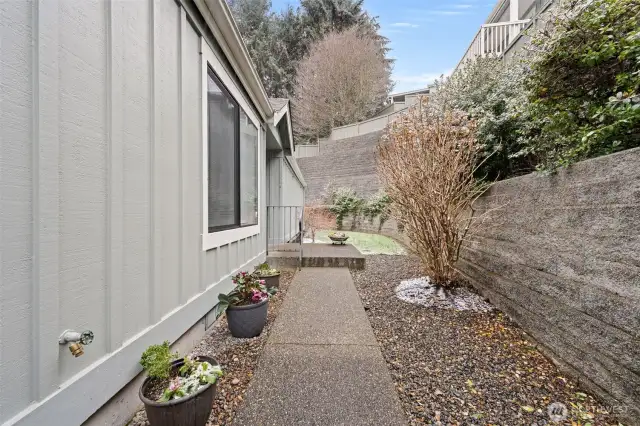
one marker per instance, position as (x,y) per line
(562,257)
(343,163)
(362,224)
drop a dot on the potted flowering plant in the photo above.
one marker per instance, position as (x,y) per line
(246,305)
(177,391)
(270,275)
(338,237)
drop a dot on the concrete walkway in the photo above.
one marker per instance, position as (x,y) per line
(322,364)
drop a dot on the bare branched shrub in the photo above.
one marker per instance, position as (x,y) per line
(344,79)
(427,160)
(317,217)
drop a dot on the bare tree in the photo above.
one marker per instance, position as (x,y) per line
(427,160)
(344,79)
(317,217)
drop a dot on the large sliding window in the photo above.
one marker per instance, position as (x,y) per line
(248,171)
(231,161)
(223,119)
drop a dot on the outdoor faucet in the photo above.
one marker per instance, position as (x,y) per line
(76,340)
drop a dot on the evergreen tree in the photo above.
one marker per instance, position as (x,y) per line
(277,42)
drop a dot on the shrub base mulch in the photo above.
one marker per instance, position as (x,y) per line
(238,358)
(461,367)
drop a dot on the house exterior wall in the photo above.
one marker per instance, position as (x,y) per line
(293,190)
(303,151)
(101,198)
(559,254)
(286,198)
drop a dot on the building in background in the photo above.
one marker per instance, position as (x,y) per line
(505,28)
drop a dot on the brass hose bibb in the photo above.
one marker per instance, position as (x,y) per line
(76,340)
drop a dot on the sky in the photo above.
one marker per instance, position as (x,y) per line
(428,37)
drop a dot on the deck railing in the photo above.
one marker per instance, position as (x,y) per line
(493,39)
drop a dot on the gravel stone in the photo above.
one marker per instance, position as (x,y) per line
(238,358)
(460,367)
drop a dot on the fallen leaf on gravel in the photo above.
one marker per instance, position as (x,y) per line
(430,349)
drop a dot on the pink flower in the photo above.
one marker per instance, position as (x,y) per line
(263,282)
(244,274)
(174,385)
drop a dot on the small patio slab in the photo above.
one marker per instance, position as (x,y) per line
(316,255)
(322,364)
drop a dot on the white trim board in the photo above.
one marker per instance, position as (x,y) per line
(220,238)
(82,395)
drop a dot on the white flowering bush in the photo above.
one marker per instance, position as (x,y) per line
(193,376)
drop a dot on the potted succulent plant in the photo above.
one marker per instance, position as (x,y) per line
(177,391)
(270,275)
(338,237)
(246,305)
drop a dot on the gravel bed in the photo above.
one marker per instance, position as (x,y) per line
(238,358)
(454,367)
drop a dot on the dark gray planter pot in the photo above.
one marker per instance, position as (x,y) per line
(247,321)
(338,240)
(271,280)
(192,410)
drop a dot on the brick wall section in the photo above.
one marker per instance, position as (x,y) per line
(562,258)
(347,162)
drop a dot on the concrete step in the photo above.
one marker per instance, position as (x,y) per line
(317,255)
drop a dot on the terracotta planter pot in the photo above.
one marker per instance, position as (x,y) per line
(247,321)
(271,280)
(192,410)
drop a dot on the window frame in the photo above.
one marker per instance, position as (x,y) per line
(225,234)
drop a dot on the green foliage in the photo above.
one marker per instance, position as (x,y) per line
(574,94)
(193,376)
(489,92)
(156,360)
(249,288)
(344,201)
(584,84)
(377,205)
(264,270)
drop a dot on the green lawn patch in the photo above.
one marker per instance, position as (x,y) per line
(366,243)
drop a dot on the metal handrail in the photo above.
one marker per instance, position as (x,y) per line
(283,227)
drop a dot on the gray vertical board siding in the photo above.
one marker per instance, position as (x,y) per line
(17,97)
(46,191)
(82,200)
(115,174)
(560,255)
(101,194)
(292,189)
(136,116)
(167,149)
(191,160)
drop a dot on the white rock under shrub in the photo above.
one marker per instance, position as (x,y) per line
(421,291)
